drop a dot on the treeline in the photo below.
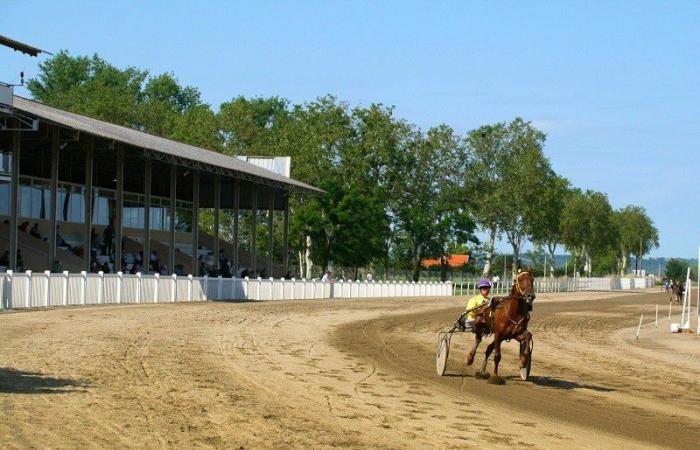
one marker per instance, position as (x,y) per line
(396,193)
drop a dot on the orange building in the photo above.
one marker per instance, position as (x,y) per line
(452,261)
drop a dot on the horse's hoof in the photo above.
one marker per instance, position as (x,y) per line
(470,361)
(495,379)
(523,373)
(481,375)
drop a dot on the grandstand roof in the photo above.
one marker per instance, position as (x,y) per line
(196,156)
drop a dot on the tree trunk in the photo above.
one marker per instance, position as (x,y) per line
(515,243)
(301,264)
(443,267)
(417,256)
(489,253)
(307,257)
(552,266)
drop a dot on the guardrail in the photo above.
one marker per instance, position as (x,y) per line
(44,289)
(564,284)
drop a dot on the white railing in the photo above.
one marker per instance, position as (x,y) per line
(44,289)
(564,284)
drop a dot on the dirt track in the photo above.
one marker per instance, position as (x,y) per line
(341,373)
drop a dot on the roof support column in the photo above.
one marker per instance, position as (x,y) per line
(14,199)
(53,186)
(285,238)
(119,200)
(270,224)
(253,228)
(217,207)
(195,223)
(173,210)
(87,196)
(146,260)
(236,209)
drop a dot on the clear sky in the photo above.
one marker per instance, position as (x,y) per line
(614,84)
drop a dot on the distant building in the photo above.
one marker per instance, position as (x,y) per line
(452,261)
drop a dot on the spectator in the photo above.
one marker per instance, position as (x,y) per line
(105,268)
(108,238)
(326,276)
(263,273)
(20,261)
(60,242)
(35,231)
(5,258)
(287,276)
(24,226)
(56,267)
(135,268)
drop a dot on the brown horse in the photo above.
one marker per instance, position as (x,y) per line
(506,318)
(676,292)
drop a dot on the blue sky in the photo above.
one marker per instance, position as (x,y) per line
(613,84)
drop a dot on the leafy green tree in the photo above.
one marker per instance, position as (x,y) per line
(523,170)
(587,227)
(676,269)
(637,234)
(485,149)
(546,220)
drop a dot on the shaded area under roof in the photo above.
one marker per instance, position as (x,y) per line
(198,157)
(20,47)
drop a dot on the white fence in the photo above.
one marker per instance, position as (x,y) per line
(564,284)
(31,290)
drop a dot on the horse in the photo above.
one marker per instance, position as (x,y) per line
(506,318)
(676,292)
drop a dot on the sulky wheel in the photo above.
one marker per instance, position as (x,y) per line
(443,350)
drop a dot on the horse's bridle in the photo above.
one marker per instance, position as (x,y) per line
(527,296)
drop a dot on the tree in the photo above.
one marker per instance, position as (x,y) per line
(676,269)
(485,147)
(546,222)
(523,172)
(637,233)
(425,195)
(587,228)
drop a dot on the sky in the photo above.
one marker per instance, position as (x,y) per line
(613,84)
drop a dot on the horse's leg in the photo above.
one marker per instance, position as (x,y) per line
(495,379)
(481,372)
(524,340)
(472,352)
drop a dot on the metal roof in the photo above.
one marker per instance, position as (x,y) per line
(186,154)
(18,46)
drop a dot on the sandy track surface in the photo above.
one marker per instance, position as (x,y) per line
(350,373)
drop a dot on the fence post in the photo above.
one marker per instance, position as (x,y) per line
(189,287)
(64,292)
(7,291)
(83,286)
(47,296)
(100,287)
(28,295)
(246,289)
(156,288)
(313,282)
(219,287)
(257,294)
(272,287)
(206,287)
(120,280)
(294,285)
(173,292)
(139,281)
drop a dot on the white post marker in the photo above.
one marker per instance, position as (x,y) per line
(656,322)
(639,328)
(47,297)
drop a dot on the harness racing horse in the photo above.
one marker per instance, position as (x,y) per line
(676,292)
(506,318)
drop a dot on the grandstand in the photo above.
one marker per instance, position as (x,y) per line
(80,194)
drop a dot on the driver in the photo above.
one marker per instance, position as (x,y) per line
(477,300)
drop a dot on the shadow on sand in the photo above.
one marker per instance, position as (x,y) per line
(549,382)
(14,381)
